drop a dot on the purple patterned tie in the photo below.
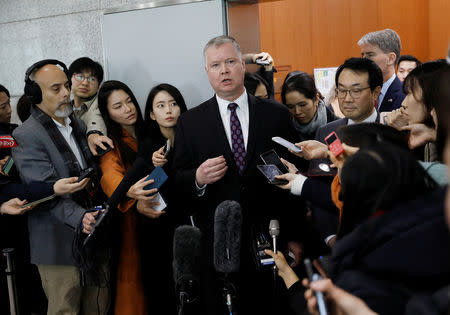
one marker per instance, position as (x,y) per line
(237,138)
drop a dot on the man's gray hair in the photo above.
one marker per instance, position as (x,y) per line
(219,41)
(387,40)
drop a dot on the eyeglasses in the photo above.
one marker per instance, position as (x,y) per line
(354,93)
(80,78)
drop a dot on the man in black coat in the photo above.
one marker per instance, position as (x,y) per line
(218,145)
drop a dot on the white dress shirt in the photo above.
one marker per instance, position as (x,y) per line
(67,133)
(372,118)
(242,113)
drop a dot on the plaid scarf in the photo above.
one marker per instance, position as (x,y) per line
(70,161)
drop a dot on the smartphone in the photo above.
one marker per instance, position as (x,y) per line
(334,144)
(261,62)
(270,171)
(159,177)
(85,174)
(100,151)
(34,203)
(167,148)
(271,157)
(7,167)
(287,144)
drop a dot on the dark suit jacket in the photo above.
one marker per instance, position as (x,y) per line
(393,98)
(200,135)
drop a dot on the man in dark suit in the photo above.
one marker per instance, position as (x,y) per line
(384,47)
(358,84)
(218,145)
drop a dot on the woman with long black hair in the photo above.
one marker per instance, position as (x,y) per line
(123,119)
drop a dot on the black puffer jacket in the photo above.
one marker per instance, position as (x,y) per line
(402,253)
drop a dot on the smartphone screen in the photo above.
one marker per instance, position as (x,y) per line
(271,157)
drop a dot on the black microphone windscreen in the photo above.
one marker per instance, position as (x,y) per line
(227,236)
(186,253)
(138,170)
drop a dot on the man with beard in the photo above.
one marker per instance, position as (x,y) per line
(52,145)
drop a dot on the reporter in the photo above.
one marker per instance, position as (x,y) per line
(14,207)
(305,103)
(164,106)
(417,111)
(339,301)
(124,123)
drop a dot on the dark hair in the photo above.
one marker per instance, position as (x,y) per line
(362,65)
(301,82)
(87,64)
(115,129)
(23,108)
(422,77)
(154,138)
(3,89)
(366,135)
(253,80)
(440,98)
(379,178)
(409,58)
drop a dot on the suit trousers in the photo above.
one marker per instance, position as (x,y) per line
(62,286)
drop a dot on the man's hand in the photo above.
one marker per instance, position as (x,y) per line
(69,185)
(88,221)
(340,160)
(158,157)
(138,192)
(211,171)
(146,208)
(419,135)
(397,119)
(339,301)
(291,167)
(95,140)
(2,163)
(14,207)
(312,149)
(289,177)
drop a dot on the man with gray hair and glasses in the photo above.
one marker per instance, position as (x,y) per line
(383,47)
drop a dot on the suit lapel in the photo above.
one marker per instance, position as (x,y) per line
(391,93)
(252,129)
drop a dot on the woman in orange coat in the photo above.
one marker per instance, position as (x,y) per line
(123,119)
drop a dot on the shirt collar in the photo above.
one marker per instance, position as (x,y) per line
(387,84)
(241,101)
(66,120)
(371,118)
(85,105)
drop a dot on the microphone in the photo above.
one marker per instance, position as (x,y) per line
(135,173)
(7,142)
(186,263)
(227,236)
(274,231)
(227,244)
